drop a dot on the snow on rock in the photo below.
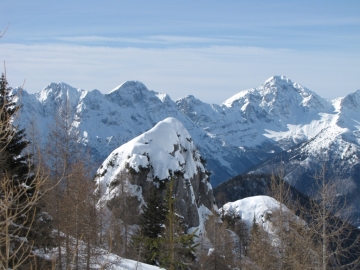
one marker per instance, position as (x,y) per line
(166,151)
(263,209)
(240,133)
(275,106)
(258,207)
(166,148)
(104,121)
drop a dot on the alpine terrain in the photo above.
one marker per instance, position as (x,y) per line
(233,137)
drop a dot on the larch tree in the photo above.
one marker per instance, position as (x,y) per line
(336,244)
(61,153)
(124,209)
(82,226)
(221,254)
(177,248)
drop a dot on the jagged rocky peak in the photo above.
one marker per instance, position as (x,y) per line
(285,88)
(198,111)
(351,102)
(58,94)
(277,97)
(58,90)
(150,160)
(189,101)
(131,93)
(130,86)
(278,79)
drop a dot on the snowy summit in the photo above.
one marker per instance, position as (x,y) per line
(166,148)
(150,160)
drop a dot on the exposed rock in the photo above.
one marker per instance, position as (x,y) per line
(152,159)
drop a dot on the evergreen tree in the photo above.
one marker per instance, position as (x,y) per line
(13,142)
(153,216)
(19,188)
(151,228)
(162,239)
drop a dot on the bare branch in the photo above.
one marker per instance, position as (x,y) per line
(3,33)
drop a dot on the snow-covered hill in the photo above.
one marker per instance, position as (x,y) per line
(252,209)
(265,212)
(243,131)
(151,160)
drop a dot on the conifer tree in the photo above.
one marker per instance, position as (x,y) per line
(151,228)
(13,142)
(153,216)
(19,188)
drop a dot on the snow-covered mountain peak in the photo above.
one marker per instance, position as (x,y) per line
(278,96)
(165,149)
(351,102)
(134,94)
(274,88)
(280,87)
(60,92)
(189,102)
(277,115)
(130,86)
(280,80)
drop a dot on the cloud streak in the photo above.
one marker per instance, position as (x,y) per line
(160,39)
(211,73)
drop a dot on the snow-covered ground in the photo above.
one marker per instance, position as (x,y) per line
(102,259)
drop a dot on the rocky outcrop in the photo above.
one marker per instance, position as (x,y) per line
(151,160)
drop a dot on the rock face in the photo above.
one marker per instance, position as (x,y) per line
(234,136)
(152,159)
(103,122)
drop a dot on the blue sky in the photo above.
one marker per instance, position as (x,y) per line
(210,49)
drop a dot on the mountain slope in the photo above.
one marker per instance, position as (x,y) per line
(103,122)
(243,131)
(264,115)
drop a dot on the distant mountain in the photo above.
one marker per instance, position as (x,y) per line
(262,116)
(233,137)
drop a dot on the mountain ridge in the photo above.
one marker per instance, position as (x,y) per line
(243,131)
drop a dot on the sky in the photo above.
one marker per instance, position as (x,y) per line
(209,49)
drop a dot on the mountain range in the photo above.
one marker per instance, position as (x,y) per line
(237,136)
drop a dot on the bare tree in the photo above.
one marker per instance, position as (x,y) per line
(335,242)
(320,238)
(61,153)
(261,250)
(16,248)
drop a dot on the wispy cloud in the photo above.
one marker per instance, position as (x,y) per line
(156,39)
(211,73)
